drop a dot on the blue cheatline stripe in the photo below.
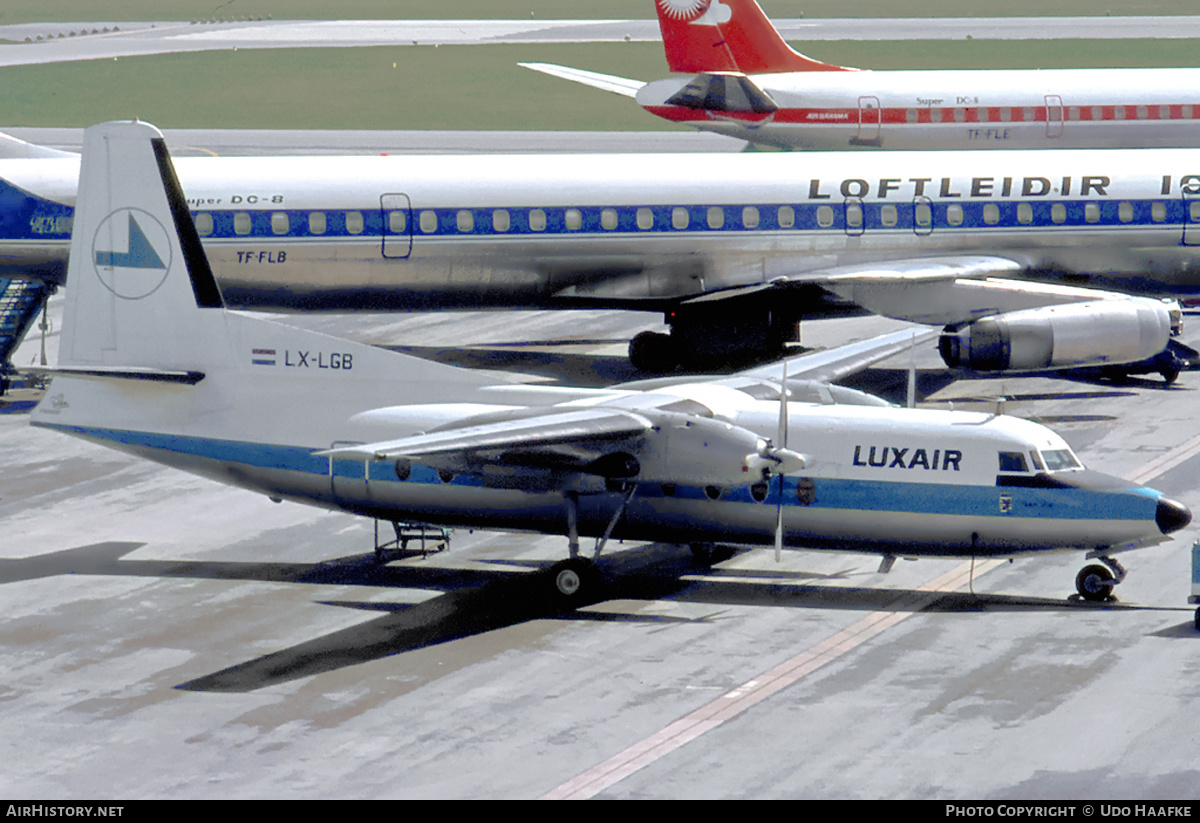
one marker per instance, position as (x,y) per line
(855,495)
(24,216)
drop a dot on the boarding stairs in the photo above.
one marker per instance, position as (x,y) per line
(20,302)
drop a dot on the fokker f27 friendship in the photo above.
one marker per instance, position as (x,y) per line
(152,363)
(733,250)
(747,82)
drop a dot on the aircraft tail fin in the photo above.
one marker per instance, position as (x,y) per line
(727,35)
(138,277)
(146,338)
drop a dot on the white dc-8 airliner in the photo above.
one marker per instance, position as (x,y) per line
(733,249)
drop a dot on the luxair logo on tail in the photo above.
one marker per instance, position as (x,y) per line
(132,253)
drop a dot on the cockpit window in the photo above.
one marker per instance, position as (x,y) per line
(1012,462)
(1037,461)
(1060,459)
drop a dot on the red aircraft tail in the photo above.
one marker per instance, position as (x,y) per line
(727,35)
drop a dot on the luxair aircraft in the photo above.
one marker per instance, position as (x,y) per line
(152,363)
(733,249)
(747,82)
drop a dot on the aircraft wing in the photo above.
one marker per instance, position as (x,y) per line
(617,85)
(550,427)
(835,364)
(933,291)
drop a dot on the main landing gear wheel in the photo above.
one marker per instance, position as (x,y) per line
(1095,583)
(574,579)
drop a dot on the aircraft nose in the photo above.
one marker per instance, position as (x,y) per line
(1171,516)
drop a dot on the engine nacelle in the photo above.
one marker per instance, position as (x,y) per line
(688,449)
(1075,334)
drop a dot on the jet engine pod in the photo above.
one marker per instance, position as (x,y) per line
(1075,334)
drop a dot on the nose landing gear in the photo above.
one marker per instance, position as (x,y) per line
(1095,583)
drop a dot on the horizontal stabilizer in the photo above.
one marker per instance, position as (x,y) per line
(189,378)
(617,85)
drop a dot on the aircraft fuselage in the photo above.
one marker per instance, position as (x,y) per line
(636,231)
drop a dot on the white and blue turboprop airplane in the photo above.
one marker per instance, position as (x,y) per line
(734,250)
(151,362)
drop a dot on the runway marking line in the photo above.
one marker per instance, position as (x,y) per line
(735,702)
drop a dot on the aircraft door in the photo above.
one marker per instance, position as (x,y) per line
(1191,215)
(1054,115)
(349,478)
(869,118)
(396,211)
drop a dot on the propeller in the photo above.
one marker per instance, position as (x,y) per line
(783,438)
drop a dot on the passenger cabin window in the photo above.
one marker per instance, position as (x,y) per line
(1125,212)
(242,223)
(750,217)
(1025,213)
(888,215)
(501,220)
(645,219)
(354,222)
(716,217)
(317,223)
(464,220)
(1091,212)
(954,214)
(279,222)
(991,214)
(1158,211)
(537,220)
(429,221)
(1058,213)
(204,224)
(608,219)
(573,219)
(825,216)
(787,217)
(1012,462)
(923,215)
(679,217)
